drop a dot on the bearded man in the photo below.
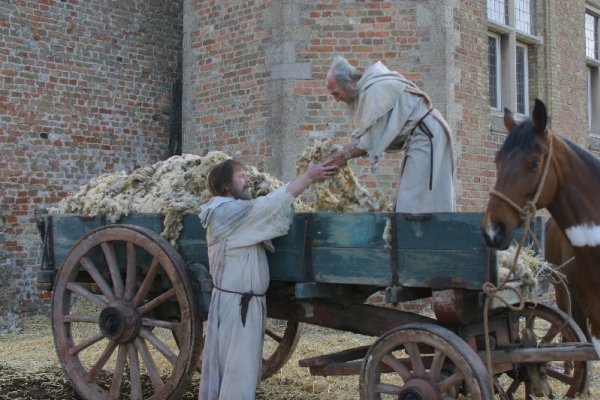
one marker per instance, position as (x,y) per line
(390,113)
(238,229)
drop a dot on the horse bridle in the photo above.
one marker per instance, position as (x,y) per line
(527,212)
(529,209)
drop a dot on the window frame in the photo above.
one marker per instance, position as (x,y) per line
(509,39)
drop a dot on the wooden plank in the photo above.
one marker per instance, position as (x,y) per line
(285,264)
(354,230)
(192,244)
(151,221)
(362,266)
(443,231)
(67,229)
(463,269)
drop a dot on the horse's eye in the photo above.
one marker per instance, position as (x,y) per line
(534,164)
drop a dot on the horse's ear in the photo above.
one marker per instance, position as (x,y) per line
(539,117)
(509,120)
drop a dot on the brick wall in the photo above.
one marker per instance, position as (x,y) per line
(264,101)
(85,89)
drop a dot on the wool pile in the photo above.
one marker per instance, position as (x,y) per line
(177,186)
(342,193)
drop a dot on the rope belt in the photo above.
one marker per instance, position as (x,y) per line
(244,301)
(425,129)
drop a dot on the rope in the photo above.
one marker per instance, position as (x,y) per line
(526,213)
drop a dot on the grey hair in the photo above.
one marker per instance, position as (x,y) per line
(343,72)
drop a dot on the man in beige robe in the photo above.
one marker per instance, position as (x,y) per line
(390,113)
(239,229)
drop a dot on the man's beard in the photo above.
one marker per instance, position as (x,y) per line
(242,194)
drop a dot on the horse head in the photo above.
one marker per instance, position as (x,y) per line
(521,177)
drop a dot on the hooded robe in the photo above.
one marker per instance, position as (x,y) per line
(237,233)
(391,114)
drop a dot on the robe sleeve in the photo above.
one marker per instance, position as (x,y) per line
(269,217)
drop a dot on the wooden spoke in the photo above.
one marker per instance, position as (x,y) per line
(115,383)
(512,389)
(85,344)
(157,301)
(159,345)
(437,365)
(147,283)
(113,268)
(273,334)
(93,372)
(77,288)
(155,378)
(131,272)
(552,333)
(134,374)
(173,326)
(387,388)
(397,366)
(451,381)
(556,374)
(89,266)
(80,318)
(415,358)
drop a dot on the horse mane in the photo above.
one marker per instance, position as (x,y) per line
(523,137)
(586,156)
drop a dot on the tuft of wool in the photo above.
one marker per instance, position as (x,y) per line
(343,192)
(529,265)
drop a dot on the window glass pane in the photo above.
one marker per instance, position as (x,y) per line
(523,16)
(498,11)
(521,80)
(591,27)
(493,70)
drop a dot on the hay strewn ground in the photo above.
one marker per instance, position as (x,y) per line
(29,368)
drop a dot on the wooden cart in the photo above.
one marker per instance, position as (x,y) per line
(128,307)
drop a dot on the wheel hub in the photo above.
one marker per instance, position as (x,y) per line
(419,389)
(120,322)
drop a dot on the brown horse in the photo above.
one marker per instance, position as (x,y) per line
(570,191)
(559,251)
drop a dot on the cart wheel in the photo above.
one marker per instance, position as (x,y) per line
(549,325)
(120,298)
(422,362)
(281,338)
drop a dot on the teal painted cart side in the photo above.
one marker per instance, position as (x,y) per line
(439,251)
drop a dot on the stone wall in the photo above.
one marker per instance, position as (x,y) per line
(85,89)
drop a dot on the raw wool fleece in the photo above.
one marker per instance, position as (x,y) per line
(173,187)
(177,186)
(353,197)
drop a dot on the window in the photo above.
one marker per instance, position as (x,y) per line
(494,71)
(511,32)
(591,34)
(522,83)
(498,11)
(593,66)
(523,16)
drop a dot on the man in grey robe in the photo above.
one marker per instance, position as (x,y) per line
(390,113)
(239,229)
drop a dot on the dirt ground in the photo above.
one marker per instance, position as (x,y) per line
(29,368)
